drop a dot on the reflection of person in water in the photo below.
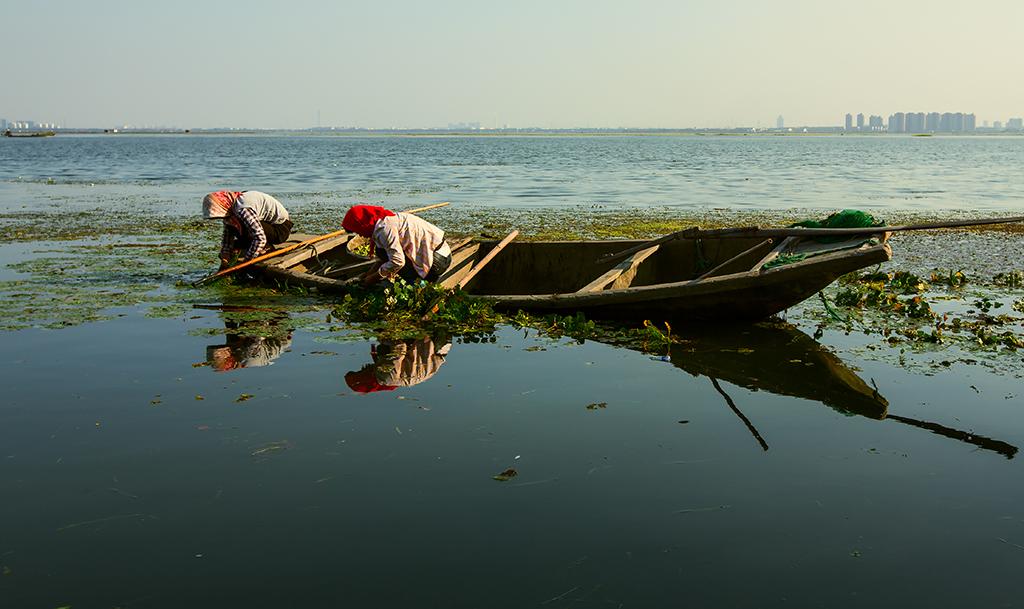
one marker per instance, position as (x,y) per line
(399,364)
(244,350)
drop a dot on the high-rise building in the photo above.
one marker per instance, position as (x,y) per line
(780,123)
(1015,124)
(997,124)
(897,123)
(915,122)
(946,122)
(860,121)
(970,122)
(849,122)
(875,123)
(3,123)
(931,121)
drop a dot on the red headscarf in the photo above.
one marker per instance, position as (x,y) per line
(360,219)
(365,380)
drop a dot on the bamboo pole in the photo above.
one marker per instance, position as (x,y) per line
(753,232)
(285,250)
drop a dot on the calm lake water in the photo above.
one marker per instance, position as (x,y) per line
(178,461)
(981,173)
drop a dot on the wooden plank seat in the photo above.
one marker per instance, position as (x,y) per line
(621,274)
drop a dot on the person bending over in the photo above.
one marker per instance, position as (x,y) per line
(252,222)
(404,245)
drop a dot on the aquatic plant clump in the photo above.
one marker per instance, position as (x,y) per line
(883,291)
(401,310)
(905,309)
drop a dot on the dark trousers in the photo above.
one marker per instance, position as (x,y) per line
(276,233)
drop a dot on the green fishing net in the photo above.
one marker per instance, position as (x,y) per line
(847,218)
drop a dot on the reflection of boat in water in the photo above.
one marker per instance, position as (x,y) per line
(399,363)
(778,358)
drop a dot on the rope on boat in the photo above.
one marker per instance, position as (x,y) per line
(701,262)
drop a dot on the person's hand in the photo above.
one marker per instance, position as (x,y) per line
(371,278)
(224,263)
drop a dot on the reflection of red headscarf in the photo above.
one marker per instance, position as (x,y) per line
(360,219)
(365,380)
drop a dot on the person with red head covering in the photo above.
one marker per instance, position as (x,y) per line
(252,221)
(405,245)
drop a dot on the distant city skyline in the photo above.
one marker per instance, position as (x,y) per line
(899,122)
(594,64)
(933,122)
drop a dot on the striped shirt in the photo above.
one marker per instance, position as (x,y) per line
(250,223)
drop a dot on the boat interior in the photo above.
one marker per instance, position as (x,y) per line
(549,267)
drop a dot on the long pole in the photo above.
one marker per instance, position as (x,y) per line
(285,250)
(753,231)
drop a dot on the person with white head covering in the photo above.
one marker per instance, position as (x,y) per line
(252,222)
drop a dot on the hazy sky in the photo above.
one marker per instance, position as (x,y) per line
(629,63)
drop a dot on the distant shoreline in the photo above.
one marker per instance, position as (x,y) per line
(816,132)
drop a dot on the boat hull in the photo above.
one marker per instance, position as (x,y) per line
(754,295)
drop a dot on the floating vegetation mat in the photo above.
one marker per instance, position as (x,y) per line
(66,284)
(944,317)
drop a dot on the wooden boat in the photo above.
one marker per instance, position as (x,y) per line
(10,133)
(712,277)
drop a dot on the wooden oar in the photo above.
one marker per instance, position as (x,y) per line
(753,231)
(285,250)
(490,256)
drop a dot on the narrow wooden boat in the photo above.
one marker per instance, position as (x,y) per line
(10,133)
(729,277)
